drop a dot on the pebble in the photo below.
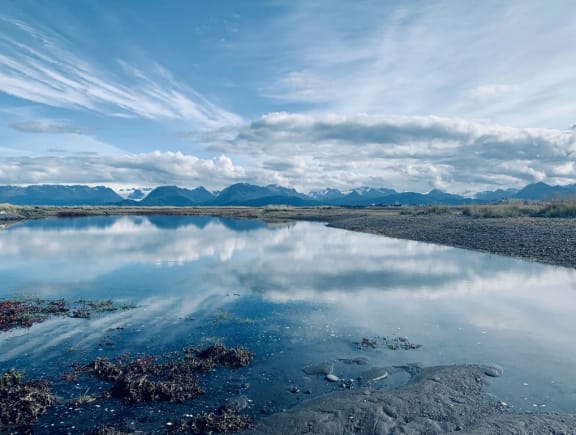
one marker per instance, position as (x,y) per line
(332,377)
(382,376)
(375,374)
(493,371)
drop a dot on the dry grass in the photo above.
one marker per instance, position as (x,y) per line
(555,209)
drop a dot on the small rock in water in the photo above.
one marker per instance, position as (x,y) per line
(347,383)
(332,377)
(375,374)
(294,390)
(382,376)
(493,371)
(236,404)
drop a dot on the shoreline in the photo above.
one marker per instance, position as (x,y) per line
(544,240)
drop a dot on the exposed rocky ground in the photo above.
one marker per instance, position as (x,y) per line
(546,240)
(437,400)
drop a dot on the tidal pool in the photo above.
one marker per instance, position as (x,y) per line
(297,295)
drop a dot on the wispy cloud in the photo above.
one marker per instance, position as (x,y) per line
(492,91)
(435,57)
(38,65)
(54,126)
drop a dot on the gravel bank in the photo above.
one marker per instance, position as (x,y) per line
(546,240)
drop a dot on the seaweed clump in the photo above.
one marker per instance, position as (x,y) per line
(172,377)
(222,421)
(218,355)
(22,402)
(107,430)
(392,342)
(25,313)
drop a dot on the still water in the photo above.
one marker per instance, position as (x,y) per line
(295,294)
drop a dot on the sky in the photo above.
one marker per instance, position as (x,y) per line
(461,96)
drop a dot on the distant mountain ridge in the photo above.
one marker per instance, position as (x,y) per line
(177,196)
(55,194)
(244,194)
(249,194)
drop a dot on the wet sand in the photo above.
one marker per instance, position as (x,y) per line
(437,400)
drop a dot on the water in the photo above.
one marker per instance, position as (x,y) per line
(294,294)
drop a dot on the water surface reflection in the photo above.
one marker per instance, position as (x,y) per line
(297,294)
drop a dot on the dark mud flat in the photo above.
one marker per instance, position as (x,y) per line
(546,240)
(437,400)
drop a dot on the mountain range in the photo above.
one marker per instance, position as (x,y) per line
(243,194)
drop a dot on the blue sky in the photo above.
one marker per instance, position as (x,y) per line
(457,95)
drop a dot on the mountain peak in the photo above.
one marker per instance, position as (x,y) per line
(253,195)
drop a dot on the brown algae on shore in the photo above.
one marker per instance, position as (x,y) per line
(222,421)
(392,342)
(21,401)
(23,313)
(171,377)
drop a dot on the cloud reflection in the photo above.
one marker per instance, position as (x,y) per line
(465,306)
(80,250)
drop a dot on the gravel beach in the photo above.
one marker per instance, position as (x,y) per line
(546,240)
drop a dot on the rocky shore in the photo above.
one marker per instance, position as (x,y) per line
(546,240)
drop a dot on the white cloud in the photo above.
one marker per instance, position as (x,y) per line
(313,152)
(148,169)
(42,67)
(409,153)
